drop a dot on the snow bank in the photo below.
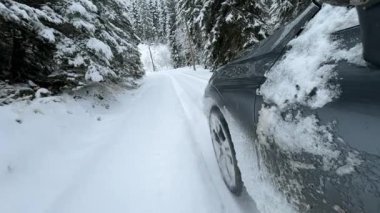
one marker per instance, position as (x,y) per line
(302,76)
(45,142)
(160,54)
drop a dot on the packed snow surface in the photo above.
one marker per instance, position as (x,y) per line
(147,150)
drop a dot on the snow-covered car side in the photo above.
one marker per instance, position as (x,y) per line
(320,146)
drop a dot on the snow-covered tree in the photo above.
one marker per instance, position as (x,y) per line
(163,23)
(283,10)
(68,43)
(136,20)
(150,20)
(172,33)
(224,28)
(189,11)
(146,21)
(228,27)
(154,11)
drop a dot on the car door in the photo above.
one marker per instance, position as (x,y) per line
(356,118)
(354,121)
(357,110)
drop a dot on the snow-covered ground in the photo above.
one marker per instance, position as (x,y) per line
(149,150)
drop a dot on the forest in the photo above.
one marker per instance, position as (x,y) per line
(189,106)
(66,45)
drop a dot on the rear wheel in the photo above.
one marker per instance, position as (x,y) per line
(225,152)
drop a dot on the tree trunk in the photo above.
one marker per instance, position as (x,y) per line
(151,58)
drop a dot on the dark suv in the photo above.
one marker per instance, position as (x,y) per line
(321,158)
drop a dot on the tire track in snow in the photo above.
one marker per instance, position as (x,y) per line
(181,94)
(198,78)
(194,95)
(159,90)
(96,155)
(148,157)
(244,201)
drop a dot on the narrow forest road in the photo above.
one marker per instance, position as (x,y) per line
(151,154)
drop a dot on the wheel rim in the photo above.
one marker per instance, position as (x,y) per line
(223,151)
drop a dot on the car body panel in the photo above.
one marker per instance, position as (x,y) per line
(355,115)
(238,81)
(357,110)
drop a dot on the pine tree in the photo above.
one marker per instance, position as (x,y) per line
(228,27)
(282,11)
(188,11)
(155,19)
(172,34)
(145,20)
(136,20)
(221,29)
(119,35)
(68,44)
(150,19)
(163,23)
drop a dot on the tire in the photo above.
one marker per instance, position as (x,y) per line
(225,152)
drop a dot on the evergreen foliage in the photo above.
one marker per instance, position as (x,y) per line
(172,33)
(155,19)
(189,11)
(163,23)
(136,20)
(67,44)
(224,28)
(148,17)
(71,43)
(282,11)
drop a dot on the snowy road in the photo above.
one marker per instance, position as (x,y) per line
(149,153)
